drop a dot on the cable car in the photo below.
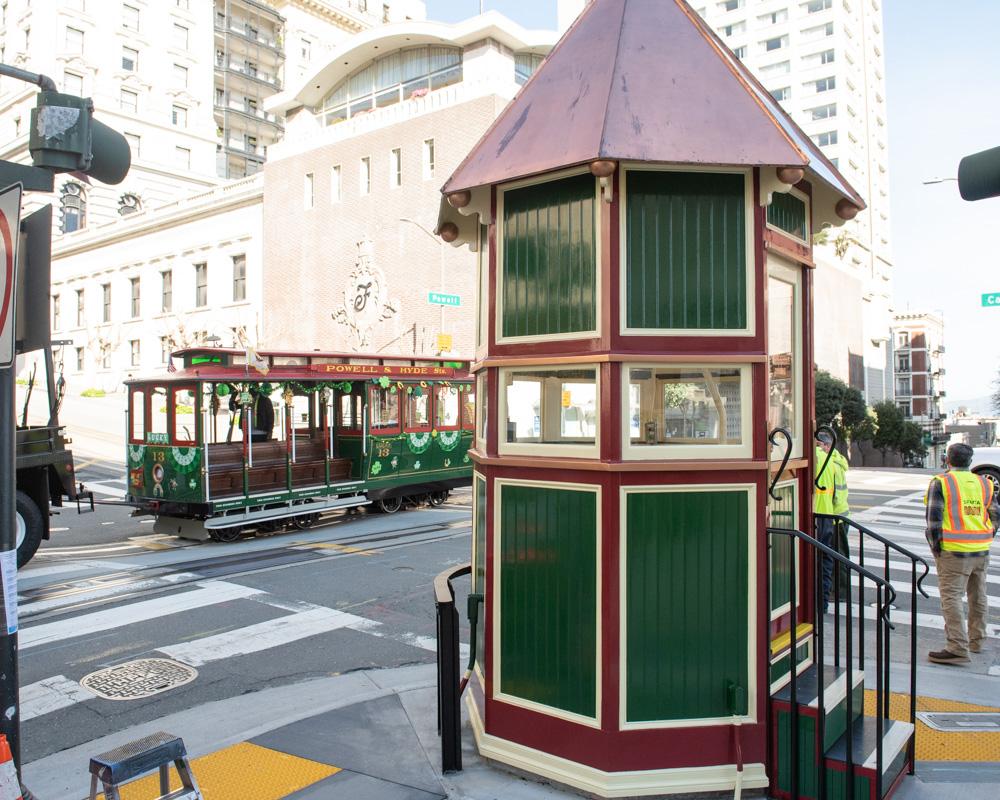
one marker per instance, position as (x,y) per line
(229,441)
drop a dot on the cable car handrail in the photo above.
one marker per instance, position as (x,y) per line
(829,454)
(784,461)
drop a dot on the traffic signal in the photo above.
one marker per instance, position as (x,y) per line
(979,175)
(65,137)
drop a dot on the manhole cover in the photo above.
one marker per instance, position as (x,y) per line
(967,722)
(137,679)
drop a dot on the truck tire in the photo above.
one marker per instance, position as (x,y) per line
(29,528)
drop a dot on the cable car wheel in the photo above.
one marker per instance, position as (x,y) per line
(305,521)
(389,505)
(226,534)
(437,499)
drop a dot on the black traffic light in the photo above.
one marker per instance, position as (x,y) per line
(65,137)
(979,175)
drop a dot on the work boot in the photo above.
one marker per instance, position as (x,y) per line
(975,647)
(946,657)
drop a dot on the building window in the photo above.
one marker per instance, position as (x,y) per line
(79,359)
(735,29)
(250,144)
(130,59)
(781,94)
(180,73)
(73,207)
(105,356)
(775,43)
(74,40)
(774,18)
(166,290)
(182,157)
(220,96)
(396,168)
(130,18)
(730,5)
(903,362)
(134,141)
(365,176)
(180,37)
(166,345)
(106,302)
(306,50)
(550,410)
(73,84)
(824,84)
(308,196)
(129,101)
(239,278)
(820,31)
(827,57)
(335,184)
(525,65)
(740,52)
(903,339)
(79,308)
(136,298)
(392,79)
(823,112)
(428,159)
(55,313)
(179,116)
(815,6)
(134,352)
(826,138)
(200,285)
(903,386)
(781,68)
(129,203)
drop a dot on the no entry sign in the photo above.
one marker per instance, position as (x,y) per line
(10,215)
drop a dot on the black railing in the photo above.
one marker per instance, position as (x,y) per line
(885,595)
(916,587)
(448,675)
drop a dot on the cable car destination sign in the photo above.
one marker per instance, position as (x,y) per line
(380,370)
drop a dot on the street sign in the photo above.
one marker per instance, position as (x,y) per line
(992,299)
(439,299)
(444,342)
(10,234)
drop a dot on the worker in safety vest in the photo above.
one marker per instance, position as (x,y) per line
(962,519)
(823,503)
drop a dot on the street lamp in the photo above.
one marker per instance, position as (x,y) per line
(929,181)
(441,246)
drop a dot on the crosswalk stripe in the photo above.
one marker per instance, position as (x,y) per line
(904,588)
(264,635)
(208,593)
(902,617)
(50,694)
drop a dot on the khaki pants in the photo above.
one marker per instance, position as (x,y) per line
(957,577)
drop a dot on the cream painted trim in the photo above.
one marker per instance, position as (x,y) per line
(498,694)
(807,662)
(540,448)
(751,715)
(805,199)
(786,608)
(646,452)
(751,271)
(476,477)
(598,284)
(784,270)
(633,783)
(482,412)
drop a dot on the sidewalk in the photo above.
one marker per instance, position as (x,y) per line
(372,736)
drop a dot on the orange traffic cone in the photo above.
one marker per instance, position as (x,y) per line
(10,787)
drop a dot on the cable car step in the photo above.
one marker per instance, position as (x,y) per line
(141,757)
(285,511)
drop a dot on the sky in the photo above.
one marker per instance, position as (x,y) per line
(942,70)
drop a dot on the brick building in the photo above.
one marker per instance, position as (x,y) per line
(918,361)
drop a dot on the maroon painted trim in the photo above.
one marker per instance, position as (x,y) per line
(172,414)
(133,391)
(493,291)
(407,407)
(382,430)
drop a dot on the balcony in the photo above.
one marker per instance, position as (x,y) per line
(249,34)
(236,107)
(249,72)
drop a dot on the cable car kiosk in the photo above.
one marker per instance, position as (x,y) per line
(643,212)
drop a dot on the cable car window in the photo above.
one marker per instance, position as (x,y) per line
(137,416)
(385,411)
(469,408)
(446,407)
(302,414)
(418,412)
(551,407)
(349,413)
(185,419)
(157,430)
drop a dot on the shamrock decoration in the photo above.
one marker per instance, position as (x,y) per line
(416,465)
(394,462)
(192,484)
(222,390)
(384,382)
(376,468)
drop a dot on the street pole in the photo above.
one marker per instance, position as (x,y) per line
(10,711)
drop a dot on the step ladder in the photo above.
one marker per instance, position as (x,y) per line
(141,757)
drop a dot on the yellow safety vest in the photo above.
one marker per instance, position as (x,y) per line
(823,497)
(840,505)
(966,526)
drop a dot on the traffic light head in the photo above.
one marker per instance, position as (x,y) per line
(979,175)
(65,137)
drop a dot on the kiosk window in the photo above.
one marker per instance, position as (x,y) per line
(469,408)
(551,406)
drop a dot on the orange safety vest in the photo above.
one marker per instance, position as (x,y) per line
(966,526)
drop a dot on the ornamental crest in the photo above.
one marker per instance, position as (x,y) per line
(366,298)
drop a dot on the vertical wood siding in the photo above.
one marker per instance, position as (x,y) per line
(686,251)
(549,270)
(787,213)
(686,603)
(479,568)
(782,516)
(548,597)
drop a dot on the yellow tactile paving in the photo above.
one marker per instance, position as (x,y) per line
(935,745)
(242,772)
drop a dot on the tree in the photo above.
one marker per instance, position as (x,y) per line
(843,407)
(911,441)
(830,394)
(889,434)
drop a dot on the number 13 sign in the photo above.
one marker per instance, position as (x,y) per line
(10,215)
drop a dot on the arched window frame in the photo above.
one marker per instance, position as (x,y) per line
(73,207)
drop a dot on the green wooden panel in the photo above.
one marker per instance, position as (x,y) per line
(549,273)
(548,596)
(787,213)
(686,251)
(779,668)
(686,603)
(782,546)
(808,768)
(479,568)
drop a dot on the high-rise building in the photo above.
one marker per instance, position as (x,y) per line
(918,361)
(184,80)
(823,60)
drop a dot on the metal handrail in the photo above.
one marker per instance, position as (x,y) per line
(448,692)
(885,597)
